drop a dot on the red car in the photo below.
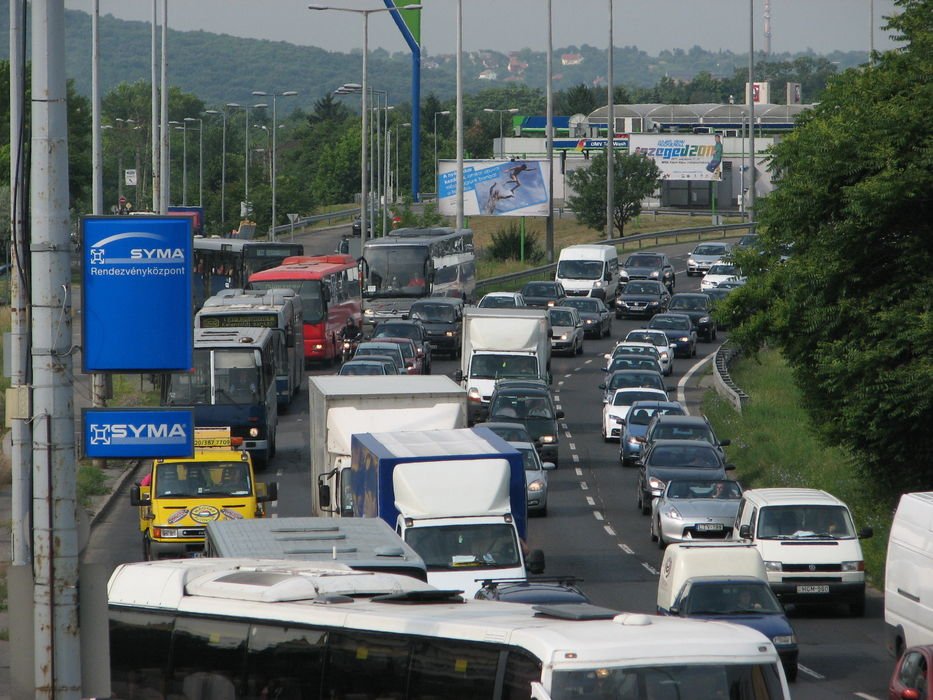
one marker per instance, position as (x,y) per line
(913,675)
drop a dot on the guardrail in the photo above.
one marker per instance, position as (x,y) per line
(306,221)
(627,243)
(725,387)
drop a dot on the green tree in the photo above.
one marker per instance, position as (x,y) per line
(636,177)
(850,309)
(579,99)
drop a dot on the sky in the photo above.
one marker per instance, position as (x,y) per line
(506,25)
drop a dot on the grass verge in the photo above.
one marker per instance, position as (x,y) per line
(774,444)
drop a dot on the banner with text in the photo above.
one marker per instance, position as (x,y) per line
(138,433)
(682,156)
(495,187)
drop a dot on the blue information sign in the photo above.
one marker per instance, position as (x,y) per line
(136,294)
(123,433)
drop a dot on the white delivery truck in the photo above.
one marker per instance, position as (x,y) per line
(589,270)
(908,579)
(501,343)
(343,406)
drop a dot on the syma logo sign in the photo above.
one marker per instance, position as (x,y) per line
(142,252)
(130,434)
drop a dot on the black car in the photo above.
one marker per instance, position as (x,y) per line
(649,266)
(530,404)
(664,460)
(642,298)
(677,427)
(510,432)
(596,317)
(679,330)
(406,328)
(543,293)
(357,227)
(442,319)
(620,378)
(632,361)
(538,590)
(699,307)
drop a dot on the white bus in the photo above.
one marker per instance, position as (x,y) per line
(235,628)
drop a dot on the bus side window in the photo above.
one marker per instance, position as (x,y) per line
(521,670)
(284,662)
(208,658)
(366,665)
(452,670)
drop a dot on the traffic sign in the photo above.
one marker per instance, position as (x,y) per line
(129,177)
(292,218)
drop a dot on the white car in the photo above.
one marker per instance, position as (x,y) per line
(502,300)
(615,410)
(658,338)
(718,273)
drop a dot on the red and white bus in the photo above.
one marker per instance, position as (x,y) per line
(329,287)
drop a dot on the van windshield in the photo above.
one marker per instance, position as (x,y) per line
(805,521)
(580,269)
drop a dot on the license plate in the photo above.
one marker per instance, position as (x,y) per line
(813,589)
(709,527)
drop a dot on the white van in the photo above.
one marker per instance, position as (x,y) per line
(683,562)
(809,545)
(589,270)
(908,580)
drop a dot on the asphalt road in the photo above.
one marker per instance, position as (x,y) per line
(593,529)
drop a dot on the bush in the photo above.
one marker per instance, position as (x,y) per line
(507,245)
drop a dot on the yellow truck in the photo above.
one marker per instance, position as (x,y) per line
(178,497)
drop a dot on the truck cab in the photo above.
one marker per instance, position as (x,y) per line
(178,497)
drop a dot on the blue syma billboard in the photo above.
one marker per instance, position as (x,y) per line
(125,433)
(136,306)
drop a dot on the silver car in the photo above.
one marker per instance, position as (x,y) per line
(691,510)
(567,330)
(704,256)
(535,477)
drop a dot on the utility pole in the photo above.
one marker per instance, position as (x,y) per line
(164,129)
(154,112)
(610,142)
(549,141)
(55,532)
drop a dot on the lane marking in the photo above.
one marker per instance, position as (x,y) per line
(576,458)
(625,548)
(573,445)
(564,426)
(588,361)
(652,570)
(590,501)
(608,528)
(866,696)
(579,471)
(811,672)
(577,369)
(584,486)
(560,383)
(558,407)
(556,398)
(597,515)
(566,376)
(682,384)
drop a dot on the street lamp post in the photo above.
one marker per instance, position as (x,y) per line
(397,185)
(223,166)
(444,113)
(751,111)
(200,157)
(265,150)
(610,138)
(261,93)
(184,168)
(235,105)
(364,107)
(512,110)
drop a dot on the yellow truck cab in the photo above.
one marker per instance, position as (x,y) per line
(179,497)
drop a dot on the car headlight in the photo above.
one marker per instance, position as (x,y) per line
(783,640)
(588,321)
(684,339)
(551,302)
(536,486)
(653,303)
(656,483)
(665,357)
(654,274)
(633,441)
(704,319)
(691,261)
(369,312)
(853,566)
(474,394)
(562,336)
(773,566)
(547,439)
(254,432)
(599,283)
(450,334)
(672,513)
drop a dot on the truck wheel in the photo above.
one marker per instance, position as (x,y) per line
(147,548)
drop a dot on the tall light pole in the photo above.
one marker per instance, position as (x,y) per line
(549,139)
(610,134)
(397,184)
(460,182)
(154,111)
(200,157)
(165,134)
(261,93)
(233,105)
(184,162)
(364,107)
(512,110)
(266,149)
(223,166)
(444,113)
(173,124)
(751,111)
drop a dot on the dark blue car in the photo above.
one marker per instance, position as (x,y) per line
(679,330)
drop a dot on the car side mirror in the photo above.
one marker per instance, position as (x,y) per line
(725,443)
(458,376)
(620,421)
(135,498)
(865,533)
(603,369)
(535,561)
(548,466)
(323,495)
(745,532)
(559,414)
(272,492)
(602,386)
(674,610)
(607,356)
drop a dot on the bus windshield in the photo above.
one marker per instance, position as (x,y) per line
(684,682)
(236,379)
(395,271)
(312,306)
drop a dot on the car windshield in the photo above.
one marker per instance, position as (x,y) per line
(497,302)
(447,548)
(627,398)
(434,313)
(408,351)
(632,362)
(679,490)
(658,339)
(721,269)
(539,290)
(649,350)
(803,521)
(560,318)
(580,269)
(710,249)
(688,303)
(683,432)
(685,456)
(643,261)
(393,351)
(716,598)
(397,330)
(530,459)
(353,369)
(521,407)
(671,322)
(640,288)
(585,304)
(636,379)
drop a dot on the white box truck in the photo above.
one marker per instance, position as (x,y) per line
(343,406)
(501,343)
(908,577)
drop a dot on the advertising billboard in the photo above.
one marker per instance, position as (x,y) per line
(495,187)
(682,156)
(138,433)
(136,296)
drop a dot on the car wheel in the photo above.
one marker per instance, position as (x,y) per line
(645,505)
(580,348)
(651,533)
(715,333)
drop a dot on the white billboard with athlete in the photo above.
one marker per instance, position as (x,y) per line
(495,188)
(682,156)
